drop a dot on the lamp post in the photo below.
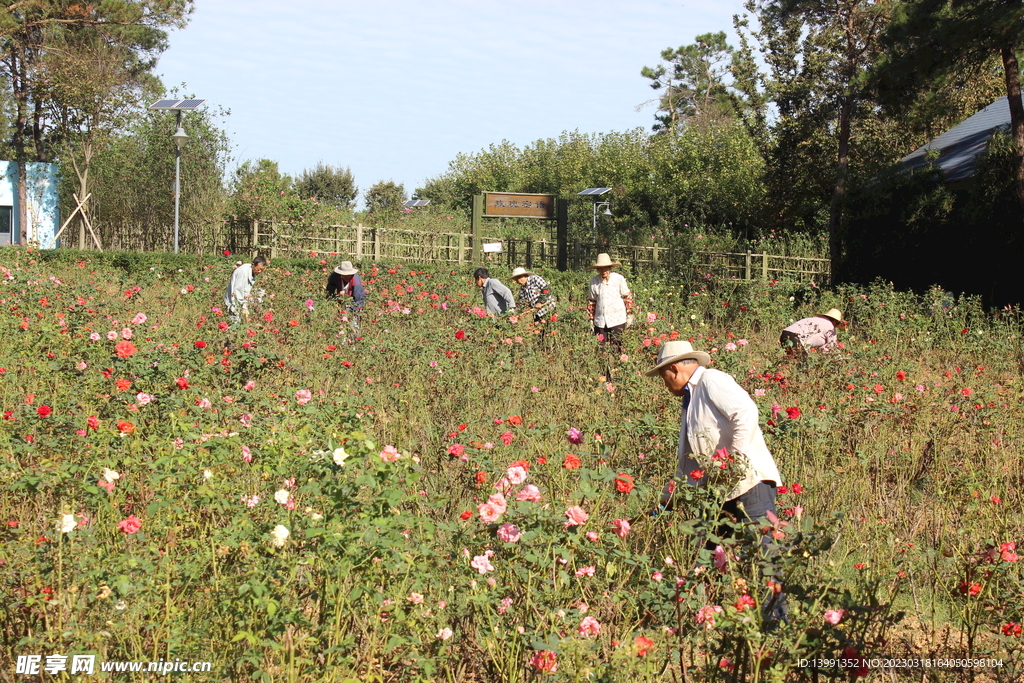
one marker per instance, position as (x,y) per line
(179,137)
(595,194)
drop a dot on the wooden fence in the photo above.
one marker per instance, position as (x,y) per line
(359,242)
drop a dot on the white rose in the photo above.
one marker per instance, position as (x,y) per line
(110,475)
(339,456)
(282,497)
(207,474)
(444,634)
(66,524)
(280,534)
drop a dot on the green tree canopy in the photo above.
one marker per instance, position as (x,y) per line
(384,200)
(691,82)
(331,184)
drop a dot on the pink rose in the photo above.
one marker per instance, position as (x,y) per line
(530,493)
(621,527)
(489,513)
(482,564)
(130,525)
(589,627)
(389,454)
(585,571)
(516,475)
(834,616)
(303,396)
(509,533)
(498,500)
(576,516)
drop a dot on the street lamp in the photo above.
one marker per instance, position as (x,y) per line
(179,137)
(595,193)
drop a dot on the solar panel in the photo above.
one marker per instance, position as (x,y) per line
(164,104)
(593,191)
(178,105)
(412,203)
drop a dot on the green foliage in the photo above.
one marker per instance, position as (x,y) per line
(133,175)
(691,84)
(356,451)
(384,201)
(332,185)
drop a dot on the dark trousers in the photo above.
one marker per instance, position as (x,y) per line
(791,344)
(748,508)
(612,336)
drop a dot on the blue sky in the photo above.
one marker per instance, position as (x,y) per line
(396,89)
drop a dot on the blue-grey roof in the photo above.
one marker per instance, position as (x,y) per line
(959,146)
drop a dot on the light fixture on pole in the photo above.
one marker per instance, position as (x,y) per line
(595,193)
(179,137)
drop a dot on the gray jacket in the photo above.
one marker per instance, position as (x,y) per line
(497,297)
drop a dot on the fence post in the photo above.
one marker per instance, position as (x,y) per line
(359,243)
(376,245)
(562,233)
(746,269)
(255,237)
(529,254)
(475,221)
(273,241)
(764,266)
(462,247)
(654,258)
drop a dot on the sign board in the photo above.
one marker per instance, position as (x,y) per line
(492,247)
(505,205)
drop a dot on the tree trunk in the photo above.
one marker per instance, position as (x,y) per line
(839,193)
(1011,72)
(20,92)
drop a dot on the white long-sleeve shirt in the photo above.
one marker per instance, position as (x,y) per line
(721,414)
(240,287)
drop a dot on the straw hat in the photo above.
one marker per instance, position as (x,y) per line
(346,268)
(604,261)
(675,351)
(833,313)
(520,271)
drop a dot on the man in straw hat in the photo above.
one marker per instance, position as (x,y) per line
(816,332)
(344,282)
(534,294)
(609,302)
(719,414)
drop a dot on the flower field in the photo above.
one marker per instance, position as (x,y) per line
(444,497)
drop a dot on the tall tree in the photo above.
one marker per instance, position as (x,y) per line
(931,41)
(384,200)
(690,82)
(28,30)
(819,52)
(331,184)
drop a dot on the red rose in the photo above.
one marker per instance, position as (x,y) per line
(93,422)
(227,252)
(466,515)
(182,383)
(697,474)
(200,344)
(122,384)
(44,411)
(515,421)
(793,412)
(623,482)
(125,427)
(130,525)
(125,349)
(571,462)
(460,335)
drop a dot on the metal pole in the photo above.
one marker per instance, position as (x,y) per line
(593,228)
(177,185)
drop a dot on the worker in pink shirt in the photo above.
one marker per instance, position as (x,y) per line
(817,332)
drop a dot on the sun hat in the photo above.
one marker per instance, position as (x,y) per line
(675,351)
(520,271)
(604,261)
(346,268)
(834,314)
